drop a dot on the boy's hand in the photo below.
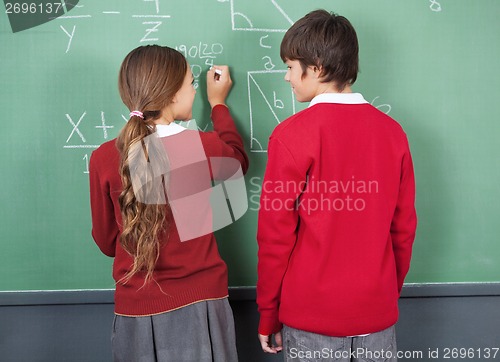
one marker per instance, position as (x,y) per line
(218,87)
(266,343)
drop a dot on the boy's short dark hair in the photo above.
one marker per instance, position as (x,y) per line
(327,40)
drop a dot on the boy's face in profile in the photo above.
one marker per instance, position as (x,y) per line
(304,86)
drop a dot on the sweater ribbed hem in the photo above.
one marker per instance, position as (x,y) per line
(140,304)
(337,326)
(171,310)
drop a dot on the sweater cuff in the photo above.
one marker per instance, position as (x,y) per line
(269,325)
(219,108)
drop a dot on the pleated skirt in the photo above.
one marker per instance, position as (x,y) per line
(200,332)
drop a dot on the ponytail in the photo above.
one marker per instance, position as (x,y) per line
(149,78)
(143,223)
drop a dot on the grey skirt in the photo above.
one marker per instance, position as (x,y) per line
(200,332)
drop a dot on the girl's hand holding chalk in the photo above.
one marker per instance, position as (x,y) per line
(217,74)
(219,84)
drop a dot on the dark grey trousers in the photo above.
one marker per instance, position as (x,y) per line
(301,346)
(200,332)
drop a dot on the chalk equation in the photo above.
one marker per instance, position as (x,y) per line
(83,127)
(270,98)
(152,20)
(204,52)
(77,138)
(87,131)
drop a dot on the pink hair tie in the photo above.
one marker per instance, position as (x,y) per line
(137,113)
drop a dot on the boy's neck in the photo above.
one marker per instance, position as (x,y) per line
(332,88)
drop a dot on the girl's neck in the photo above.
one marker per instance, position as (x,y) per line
(165,119)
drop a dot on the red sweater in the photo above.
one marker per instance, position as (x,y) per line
(336,221)
(186,272)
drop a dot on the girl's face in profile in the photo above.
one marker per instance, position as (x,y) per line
(185,98)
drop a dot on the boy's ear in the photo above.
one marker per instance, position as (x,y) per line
(318,71)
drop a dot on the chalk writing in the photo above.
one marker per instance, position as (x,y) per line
(151,21)
(262,43)
(72,17)
(270,98)
(70,36)
(240,10)
(435,6)
(104,127)
(155,24)
(268,107)
(202,51)
(75,127)
(75,16)
(154,29)
(386,108)
(269,63)
(77,139)
(86,159)
(157,3)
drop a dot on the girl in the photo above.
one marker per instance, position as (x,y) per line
(171,296)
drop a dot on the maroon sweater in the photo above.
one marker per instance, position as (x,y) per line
(337,220)
(187,271)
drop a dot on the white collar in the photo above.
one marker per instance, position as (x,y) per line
(342,98)
(164,130)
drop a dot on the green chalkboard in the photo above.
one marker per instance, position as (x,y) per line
(432,65)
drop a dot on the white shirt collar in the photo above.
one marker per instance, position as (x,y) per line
(342,98)
(163,130)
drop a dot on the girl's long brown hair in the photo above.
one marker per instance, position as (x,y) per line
(149,78)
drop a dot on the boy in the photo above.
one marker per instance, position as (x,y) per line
(337,218)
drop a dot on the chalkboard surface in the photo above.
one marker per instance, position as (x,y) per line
(432,65)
